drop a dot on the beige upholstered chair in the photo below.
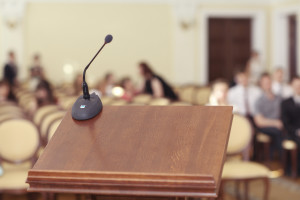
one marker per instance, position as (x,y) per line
(41,112)
(180,103)
(67,102)
(52,128)
(19,142)
(142,98)
(119,102)
(202,95)
(243,170)
(47,120)
(106,100)
(186,93)
(159,102)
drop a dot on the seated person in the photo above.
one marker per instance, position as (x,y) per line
(218,96)
(290,114)
(267,113)
(6,92)
(106,86)
(154,84)
(129,90)
(279,87)
(243,95)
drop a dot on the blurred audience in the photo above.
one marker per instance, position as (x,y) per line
(6,92)
(154,84)
(243,95)
(36,72)
(290,113)
(267,112)
(106,86)
(11,69)
(254,67)
(129,89)
(279,86)
(44,94)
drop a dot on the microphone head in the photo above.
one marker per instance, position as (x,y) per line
(108,38)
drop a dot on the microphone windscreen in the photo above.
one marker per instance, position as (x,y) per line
(108,38)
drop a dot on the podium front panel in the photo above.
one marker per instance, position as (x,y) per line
(165,151)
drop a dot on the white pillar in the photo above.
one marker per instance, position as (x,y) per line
(185,42)
(12,29)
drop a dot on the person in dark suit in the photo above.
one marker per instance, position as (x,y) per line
(290,112)
(290,115)
(11,69)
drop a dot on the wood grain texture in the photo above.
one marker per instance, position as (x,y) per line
(137,151)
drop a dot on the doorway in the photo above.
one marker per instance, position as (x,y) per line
(229,43)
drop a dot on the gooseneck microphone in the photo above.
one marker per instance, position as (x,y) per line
(88,106)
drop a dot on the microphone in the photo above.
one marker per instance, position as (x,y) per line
(88,106)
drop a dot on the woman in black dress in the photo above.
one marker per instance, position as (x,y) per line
(154,84)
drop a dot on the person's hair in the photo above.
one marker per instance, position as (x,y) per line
(294,78)
(264,75)
(36,56)
(45,85)
(11,53)
(123,81)
(107,76)
(147,71)
(219,81)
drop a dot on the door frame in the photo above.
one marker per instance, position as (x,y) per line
(280,29)
(258,35)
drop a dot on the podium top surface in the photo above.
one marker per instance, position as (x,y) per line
(137,150)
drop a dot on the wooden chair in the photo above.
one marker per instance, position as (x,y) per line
(159,102)
(19,143)
(290,147)
(243,170)
(142,98)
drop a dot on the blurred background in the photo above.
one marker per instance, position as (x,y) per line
(242,53)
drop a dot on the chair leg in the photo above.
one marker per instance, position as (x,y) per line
(267,153)
(294,161)
(246,189)
(90,197)
(78,197)
(267,188)
(237,190)
(1,196)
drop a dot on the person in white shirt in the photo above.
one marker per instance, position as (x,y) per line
(254,67)
(279,87)
(243,96)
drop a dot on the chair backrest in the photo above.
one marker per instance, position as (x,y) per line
(106,100)
(48,119)
(142,98)
(119,102)
(240,137)
(52,128)
(159,102)
(202,95)
(67,102)
(180,103)
(41,112)
(186,93)
(19,140)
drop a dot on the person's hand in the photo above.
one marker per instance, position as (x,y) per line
(278,124)
(298,132)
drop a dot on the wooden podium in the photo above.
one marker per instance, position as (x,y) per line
(141,151)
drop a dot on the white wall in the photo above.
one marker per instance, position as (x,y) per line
(71,33)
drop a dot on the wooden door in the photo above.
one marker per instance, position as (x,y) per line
(292,45)
(229,46)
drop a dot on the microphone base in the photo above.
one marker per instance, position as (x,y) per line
(84,109)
